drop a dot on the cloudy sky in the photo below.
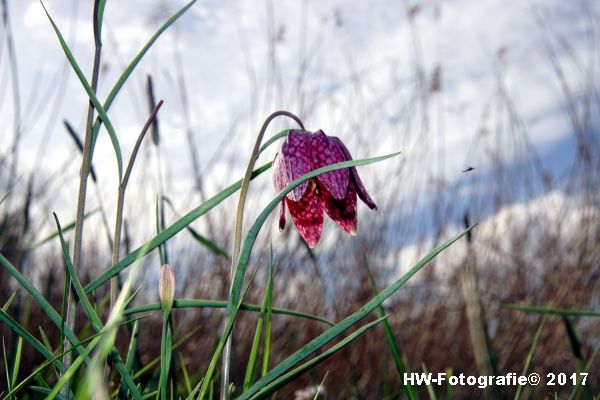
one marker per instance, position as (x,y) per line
(421,77)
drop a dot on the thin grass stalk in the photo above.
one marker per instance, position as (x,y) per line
(121,200)
(71,311)
(165,356)
(12,57)
(237,237)
(267,344)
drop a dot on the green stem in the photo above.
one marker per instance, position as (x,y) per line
(121,201)
(164,360)
(237,238)
(71,310)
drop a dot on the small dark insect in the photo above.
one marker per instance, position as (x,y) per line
(468,169)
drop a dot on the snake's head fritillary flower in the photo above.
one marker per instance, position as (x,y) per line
(334,192)
(166,287)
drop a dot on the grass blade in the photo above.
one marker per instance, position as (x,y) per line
(554,311)
(349,321)
(165,358)
(389,336)
(529,359)
(10,300)
(131,67)
(45,391)
(90,312)
(186,375)
(156,360)
(199,303)
(587,367)
(90,92)
(430,390)
(45,364)
(277,383)
(267,345)
(255,344)
(66,228)
(6,369)
(131,353)
(209,244)
(17,362)
(38,298)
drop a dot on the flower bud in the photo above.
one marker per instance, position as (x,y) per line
(166,287)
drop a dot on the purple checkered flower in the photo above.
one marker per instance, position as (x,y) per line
(334,191)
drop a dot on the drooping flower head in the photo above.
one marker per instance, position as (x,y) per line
(335,192)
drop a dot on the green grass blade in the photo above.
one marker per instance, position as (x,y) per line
(154,362)
(94,379)
(212,246)
(90,312)
(45,364)
(529,360)
(161,248)
(273,139)
(349,321)
(45,340)
(133,64)
(69,373)
(209,244)
(255,344)
(6,369)
(186,375)
(199,303)
(17,362)
(169,232)
(208,378)
(54,235)
(391,340)
(90,92)
(150,395)
(277,383)
(63,308)
(10,300)
(430,390)
(193,392)
(131,353)
(45,391)
(38,298)
(165,358)
(267,344)
(550,310)
(587,367)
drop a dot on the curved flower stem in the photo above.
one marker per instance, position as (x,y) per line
(237,238)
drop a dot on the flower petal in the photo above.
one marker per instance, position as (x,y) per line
(343,212)
(360,188)
(325,151)
(282,215)
(280,176)
(307,215)
(296,158)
